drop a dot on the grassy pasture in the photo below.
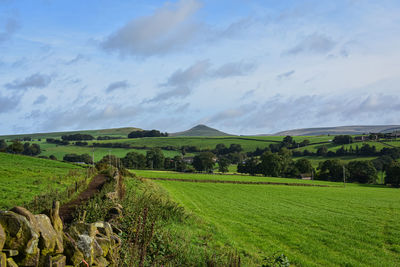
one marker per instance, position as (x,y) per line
(248,143)
(333,147)
(353,226)
(99,152)
(22,178)
(227,177)
(115,132)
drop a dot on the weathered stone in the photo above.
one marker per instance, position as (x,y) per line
(28,215)
(105,244)
(71,250)
(10,252)
(57,225)
(58,261)
(85,244)
(48,240)
(97,249)
(19,233)
(80,228)
(3,259)
(11,263)
(55,218)
(2,237)
(30,260)
(104,228)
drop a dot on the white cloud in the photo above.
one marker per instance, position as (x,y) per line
(168,29)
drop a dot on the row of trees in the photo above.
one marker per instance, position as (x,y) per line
(278,164)
(16,147)
(364,150)
(77,137)
(57,141)
(85,158)
(154,159)
(151,133)
(281,164)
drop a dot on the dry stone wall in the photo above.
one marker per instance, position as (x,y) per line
(40,240)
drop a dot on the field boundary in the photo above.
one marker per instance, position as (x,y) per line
(233,182)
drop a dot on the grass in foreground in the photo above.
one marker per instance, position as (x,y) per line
(352,226)
(22,178)
(312,216)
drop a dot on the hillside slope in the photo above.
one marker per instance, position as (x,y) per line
(200,130)
(341,130)
(23,177)
(117,132)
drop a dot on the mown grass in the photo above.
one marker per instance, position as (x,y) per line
(227,177)
(22,178)
(313,226)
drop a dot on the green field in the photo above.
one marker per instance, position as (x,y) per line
(358,225)
(220,177)
(248,143)
(99,152)
(114,132)
(334,147)
(22,178)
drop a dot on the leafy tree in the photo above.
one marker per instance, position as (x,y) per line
(204,161)
(288,142)
(133,160)
(223,164)
(382,163)
(393,174)
(342,139)
(235,148)
(3,145)
(235,158)
(304,166)
(367,150)
(155,158)
(16,147)
(249,166)
(362,172)
(271,164)
(221,149)
(331,170)
(180,164)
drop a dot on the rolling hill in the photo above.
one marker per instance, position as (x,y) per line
(201,130)
(116,132)
(341,130)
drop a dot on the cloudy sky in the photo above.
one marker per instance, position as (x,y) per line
(242,66)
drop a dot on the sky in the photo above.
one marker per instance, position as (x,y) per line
(241,66)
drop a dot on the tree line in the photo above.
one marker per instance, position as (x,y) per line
(146,133)
(17,147)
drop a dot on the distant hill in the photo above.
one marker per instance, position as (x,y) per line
(341,130)
(115,132)
(200,130)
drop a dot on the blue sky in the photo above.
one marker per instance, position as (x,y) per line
(242,66)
